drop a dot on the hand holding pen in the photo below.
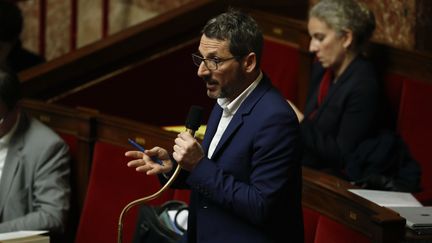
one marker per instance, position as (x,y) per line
(140,148)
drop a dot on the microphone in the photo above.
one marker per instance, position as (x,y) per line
(193,120)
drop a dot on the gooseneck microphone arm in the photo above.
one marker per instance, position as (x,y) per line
(193,122)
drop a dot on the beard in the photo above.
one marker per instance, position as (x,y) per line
(230,88)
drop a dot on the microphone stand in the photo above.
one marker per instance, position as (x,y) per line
(144,200)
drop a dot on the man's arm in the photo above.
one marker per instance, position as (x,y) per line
(50,193)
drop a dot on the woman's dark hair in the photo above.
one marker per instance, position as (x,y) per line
(239,29)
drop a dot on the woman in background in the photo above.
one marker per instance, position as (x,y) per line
(343,103)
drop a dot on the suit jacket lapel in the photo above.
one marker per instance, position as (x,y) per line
(244,109)
(12,162)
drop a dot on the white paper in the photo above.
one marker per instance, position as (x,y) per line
(20,234)
(387,198)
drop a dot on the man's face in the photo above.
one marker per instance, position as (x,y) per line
(227,81)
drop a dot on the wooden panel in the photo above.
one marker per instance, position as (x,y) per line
(145,91)
(120,49)
(117,130)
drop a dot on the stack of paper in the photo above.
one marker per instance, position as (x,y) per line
(199,134)
(387,198)
(24,237)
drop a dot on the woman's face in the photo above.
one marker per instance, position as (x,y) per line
(329,47)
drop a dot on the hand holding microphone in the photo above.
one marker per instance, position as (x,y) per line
(192,124)
(187,150)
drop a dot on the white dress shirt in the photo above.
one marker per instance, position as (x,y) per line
(229,110)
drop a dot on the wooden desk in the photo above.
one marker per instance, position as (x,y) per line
(329,196)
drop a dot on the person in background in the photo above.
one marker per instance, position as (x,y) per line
(12,54)
(34,168)
(245,177)
(341,125)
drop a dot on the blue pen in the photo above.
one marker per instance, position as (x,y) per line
(140,148)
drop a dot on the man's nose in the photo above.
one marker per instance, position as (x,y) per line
(203,70)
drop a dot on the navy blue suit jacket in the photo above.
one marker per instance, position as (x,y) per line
(250,191)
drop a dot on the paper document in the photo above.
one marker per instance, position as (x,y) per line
(24,236)
(199,134)
(387,198)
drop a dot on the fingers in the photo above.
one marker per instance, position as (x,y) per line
(147,166)
(134,154)
(143,162)
(184,138)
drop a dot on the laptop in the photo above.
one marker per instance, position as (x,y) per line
(418,219)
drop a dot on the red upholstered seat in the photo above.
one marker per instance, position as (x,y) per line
(415,126)
(112,186)
(330,231)
(320,229)
(182,195)
(310,222)
(72,142)
(280,61)
(392,90)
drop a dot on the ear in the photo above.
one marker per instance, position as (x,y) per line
(249,62)
(348,38)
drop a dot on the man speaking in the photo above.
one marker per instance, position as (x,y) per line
(246,175)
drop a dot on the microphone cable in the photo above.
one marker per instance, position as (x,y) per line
(193,121)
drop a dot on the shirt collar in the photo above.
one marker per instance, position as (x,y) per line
(230,108)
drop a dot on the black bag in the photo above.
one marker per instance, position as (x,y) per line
(384,163)
(154,225)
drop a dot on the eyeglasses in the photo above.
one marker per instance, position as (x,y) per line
(210,63)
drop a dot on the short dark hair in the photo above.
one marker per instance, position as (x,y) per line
(10,91)
(239,29)
(11,21)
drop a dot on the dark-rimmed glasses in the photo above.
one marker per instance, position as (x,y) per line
(210,63)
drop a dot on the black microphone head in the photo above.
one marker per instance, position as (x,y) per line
(193,120)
